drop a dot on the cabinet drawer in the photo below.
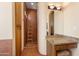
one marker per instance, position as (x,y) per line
(74,45)
(65,46)
(60,47)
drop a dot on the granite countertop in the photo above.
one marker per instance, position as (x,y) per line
(60,39)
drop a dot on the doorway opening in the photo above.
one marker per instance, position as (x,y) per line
(30,28)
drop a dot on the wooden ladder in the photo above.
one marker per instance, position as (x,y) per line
(29,33)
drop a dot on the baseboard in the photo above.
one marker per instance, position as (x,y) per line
(42,54)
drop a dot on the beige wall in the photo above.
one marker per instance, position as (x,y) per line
(5,20)
(42,18)
(71,20)
(58,22)
(67,22)
(7,23)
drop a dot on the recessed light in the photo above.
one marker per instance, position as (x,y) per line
(32,3)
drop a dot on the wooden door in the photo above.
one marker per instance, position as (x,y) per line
(18,18)
(31,25)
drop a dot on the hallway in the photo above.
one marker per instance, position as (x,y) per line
(31,49)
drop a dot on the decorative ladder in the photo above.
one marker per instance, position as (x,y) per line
(30,33)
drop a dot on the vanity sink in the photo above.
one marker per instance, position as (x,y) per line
(59,42)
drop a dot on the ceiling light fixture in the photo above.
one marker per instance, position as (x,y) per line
(32,3)
(53,7)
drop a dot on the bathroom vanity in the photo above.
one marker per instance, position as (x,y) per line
(58,44)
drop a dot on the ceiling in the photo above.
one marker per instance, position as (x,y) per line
(55,3)
(31,5)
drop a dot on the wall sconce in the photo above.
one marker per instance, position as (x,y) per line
(53,7)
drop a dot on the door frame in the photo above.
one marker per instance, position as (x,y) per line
(35,10)
(13,29)
(17,44)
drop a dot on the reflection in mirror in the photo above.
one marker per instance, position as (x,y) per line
(51,23)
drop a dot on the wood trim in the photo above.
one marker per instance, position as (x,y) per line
(22,21)
(18,26)
(13,28)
